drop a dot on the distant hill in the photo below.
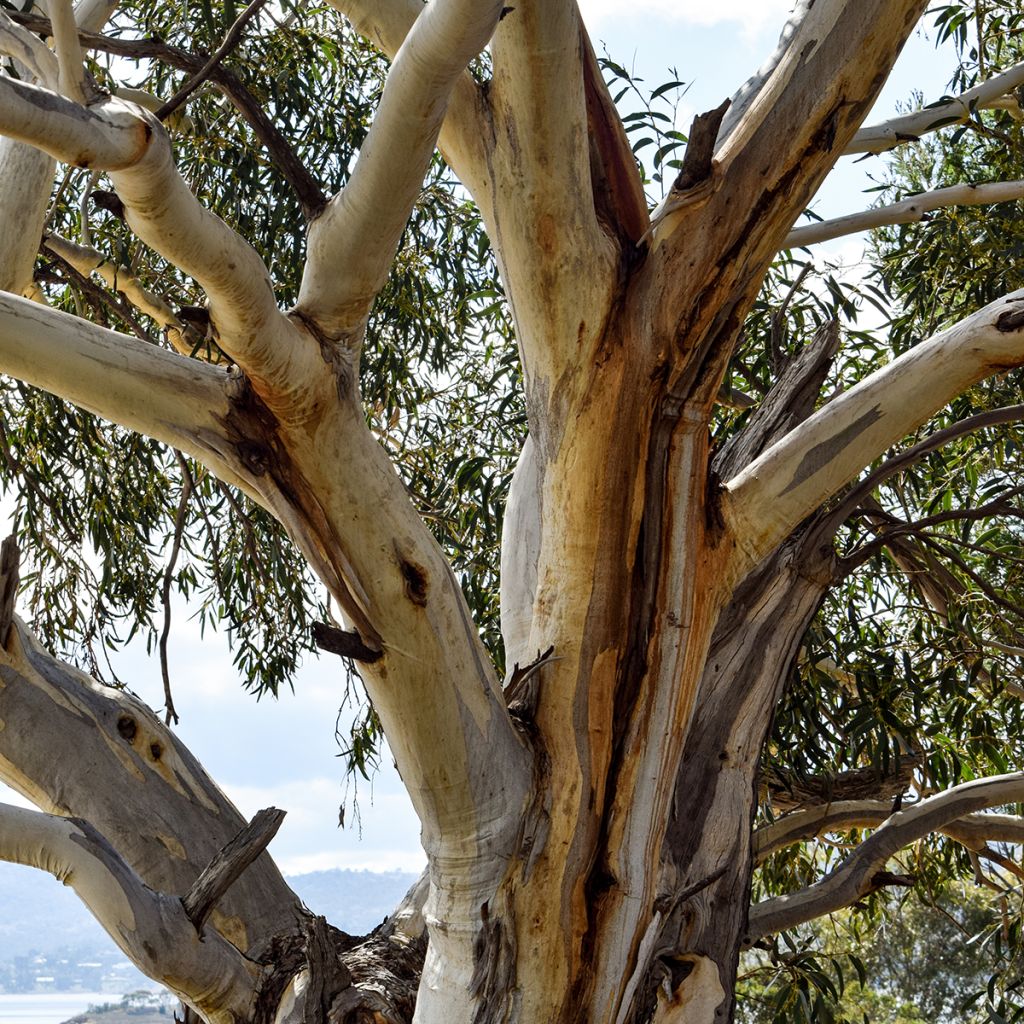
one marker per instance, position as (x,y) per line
(355,901)
(38,914)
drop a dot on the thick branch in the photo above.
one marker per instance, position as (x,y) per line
(972,830)
(814,461)
(133,780)
(353,242)
(30,50)
(856,876)
(910,127)
(152,929)
(907,211)
(179,401)
(160,208)
(745,96)
(463,138)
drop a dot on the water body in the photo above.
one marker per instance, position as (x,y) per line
(49,1007)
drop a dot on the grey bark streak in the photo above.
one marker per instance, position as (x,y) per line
(822,454)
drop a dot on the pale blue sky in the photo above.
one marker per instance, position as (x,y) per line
(283,752)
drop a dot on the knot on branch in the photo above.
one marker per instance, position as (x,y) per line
(1010,321)
(344,643)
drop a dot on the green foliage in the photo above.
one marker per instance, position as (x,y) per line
(892,962)
(96,507)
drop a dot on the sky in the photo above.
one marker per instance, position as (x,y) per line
(283,753)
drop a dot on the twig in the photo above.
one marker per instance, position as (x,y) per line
(906,458)
(231,40)
(227,866)
(170,714)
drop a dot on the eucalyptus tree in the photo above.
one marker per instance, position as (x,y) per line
(709,464)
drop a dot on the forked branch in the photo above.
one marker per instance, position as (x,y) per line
(858,874)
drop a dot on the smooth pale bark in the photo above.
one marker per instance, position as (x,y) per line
(745,96)
(899,130)
(352,243)
(133,148)
(28,50)
(907,211)
(71,75)
(463,137)
(180,401)
(855,877)
(771,495)
(132,780)
(26,174)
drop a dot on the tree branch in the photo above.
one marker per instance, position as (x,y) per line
(131,145)
(973,831)
(856,876)
(744,97)
(179,401)
(152,929)
(907,211)
(806,467)
(226,868)
(133,780)
(464,134)
(899,462)
(231,40)
(353,242)
(910,127)
(30,50)
(71,74)
(310,197)
(87,260)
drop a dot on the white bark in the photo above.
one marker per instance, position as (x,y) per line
(827,451)
(907,211)
(180,401)
(745,96)
(910,127)
(463,134)
(28,50)
(353,242)
(854,878)
(71,76)
(151,928)
(87,260)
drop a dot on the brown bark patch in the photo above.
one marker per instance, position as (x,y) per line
(415,580)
